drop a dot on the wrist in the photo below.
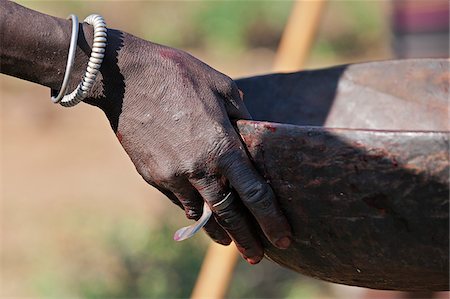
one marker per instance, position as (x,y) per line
(84,87)
(33,44)
(109,84)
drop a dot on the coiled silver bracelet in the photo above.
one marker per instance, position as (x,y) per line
(94,64)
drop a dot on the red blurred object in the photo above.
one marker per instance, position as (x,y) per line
(421,28)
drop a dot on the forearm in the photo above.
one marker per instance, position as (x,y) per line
(34,46)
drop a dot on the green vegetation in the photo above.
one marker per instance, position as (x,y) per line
(350,31)
(149,264)
(237,25)
(132,260)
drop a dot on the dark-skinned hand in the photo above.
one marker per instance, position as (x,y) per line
(171,113)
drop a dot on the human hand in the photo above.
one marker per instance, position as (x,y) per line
(171,113)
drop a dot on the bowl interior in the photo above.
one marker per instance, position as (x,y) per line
(410,95)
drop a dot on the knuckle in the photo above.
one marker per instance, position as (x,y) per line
(223,152)
(197,171)
(232,88)
(192,207)
(229,219)
(259,196)
(166,175)
(210,191)
(229,157)
(194,166)
(226,85)
(207,161)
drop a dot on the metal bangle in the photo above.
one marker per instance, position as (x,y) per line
(70,59)
(94,64)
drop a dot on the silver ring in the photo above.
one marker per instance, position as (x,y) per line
(228,196)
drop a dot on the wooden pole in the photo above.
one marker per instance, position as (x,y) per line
(216,272)
(298,36)
(295,45)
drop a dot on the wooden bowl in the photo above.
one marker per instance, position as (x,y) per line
(363,174)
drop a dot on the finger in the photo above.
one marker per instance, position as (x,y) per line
(234,103)
(257,196)
(190,200)
(216,232)
(231,216)
(173,198)
(192,203)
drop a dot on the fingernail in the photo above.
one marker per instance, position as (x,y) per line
(283,243)
(253,260)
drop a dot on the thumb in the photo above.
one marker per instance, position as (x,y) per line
(234,104)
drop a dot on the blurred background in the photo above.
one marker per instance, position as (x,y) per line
(77,221)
